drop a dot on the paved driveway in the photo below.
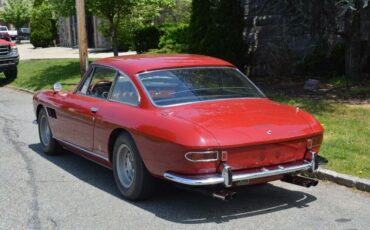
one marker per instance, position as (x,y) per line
(69,192)
(27,52)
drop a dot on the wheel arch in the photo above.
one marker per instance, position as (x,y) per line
(38,109)
(113,137)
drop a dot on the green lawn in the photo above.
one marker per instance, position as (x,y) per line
(347,134)
(347,127)
(42,74)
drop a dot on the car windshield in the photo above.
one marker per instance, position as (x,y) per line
(3,28)
(186,85)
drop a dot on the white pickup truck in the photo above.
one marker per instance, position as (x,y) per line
(4,33)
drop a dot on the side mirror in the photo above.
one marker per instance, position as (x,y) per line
(57,87)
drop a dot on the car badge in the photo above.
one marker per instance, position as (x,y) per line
(269,132)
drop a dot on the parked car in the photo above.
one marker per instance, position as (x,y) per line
(193,120)
(24,33)
(5,36)
(9,59)
(12,33)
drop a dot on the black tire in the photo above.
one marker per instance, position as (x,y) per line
(50,147)
(11,73)
(142,184)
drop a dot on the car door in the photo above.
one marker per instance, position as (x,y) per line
(79,109)
(123,100)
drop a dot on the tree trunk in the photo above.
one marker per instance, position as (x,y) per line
(366,49)
(353,46)
(114,42)
(113,34)
(353,59)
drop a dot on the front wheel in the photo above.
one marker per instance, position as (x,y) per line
(11,73)
(132,178)
(49,145)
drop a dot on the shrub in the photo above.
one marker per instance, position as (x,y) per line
(125,33)
(323,61)
(41,26)
(216,29)
(174,39)
(146,38)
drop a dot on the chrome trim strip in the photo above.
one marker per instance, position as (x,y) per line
(82,149)
(194,102)
(220,179)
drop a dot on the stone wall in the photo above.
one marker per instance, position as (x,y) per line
(273,47)
(100,40)
(271,44)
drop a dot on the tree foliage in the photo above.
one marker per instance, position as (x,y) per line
(63,7)
(41,26)
(16,12)
(178,11)
(121,17)
(216,29)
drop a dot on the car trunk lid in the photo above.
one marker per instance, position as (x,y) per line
(255,132)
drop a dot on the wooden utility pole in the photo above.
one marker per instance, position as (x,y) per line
(82,37)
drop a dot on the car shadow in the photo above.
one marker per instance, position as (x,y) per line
(180,206)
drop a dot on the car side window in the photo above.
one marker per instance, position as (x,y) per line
(125,91)
(98,84)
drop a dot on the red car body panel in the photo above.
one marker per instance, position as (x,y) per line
(164,135)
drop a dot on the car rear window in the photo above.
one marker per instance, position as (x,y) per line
(186,85)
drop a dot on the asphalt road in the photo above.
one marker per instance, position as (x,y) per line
(69,192)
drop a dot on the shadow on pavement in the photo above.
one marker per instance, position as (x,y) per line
(185,207)
(5,81)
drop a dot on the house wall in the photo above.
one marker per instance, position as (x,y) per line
(68,35)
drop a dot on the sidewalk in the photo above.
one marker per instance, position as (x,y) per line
(28,52)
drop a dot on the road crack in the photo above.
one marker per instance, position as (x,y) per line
(12,137)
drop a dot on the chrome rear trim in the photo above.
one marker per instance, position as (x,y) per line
(240,176)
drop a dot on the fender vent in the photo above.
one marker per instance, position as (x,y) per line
(51,112)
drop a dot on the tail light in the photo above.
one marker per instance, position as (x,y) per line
(203,156)
(314,141)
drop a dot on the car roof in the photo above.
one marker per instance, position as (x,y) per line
(133,64)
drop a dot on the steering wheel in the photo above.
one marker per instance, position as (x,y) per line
(100,87)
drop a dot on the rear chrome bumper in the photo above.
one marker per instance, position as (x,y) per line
(227,177)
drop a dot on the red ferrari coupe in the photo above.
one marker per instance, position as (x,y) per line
(193,120)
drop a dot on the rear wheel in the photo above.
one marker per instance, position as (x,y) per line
(11,73)
(132,178)
(49,145)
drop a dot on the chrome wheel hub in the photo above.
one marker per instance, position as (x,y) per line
(125,166)
(45,133)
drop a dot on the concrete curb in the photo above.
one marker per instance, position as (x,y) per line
(20,89)
(342,179)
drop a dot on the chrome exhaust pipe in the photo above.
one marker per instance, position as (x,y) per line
(224,195)
(300,180)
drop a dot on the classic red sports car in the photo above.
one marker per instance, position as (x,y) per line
(194,120)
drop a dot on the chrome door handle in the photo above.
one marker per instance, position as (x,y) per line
(94,109)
